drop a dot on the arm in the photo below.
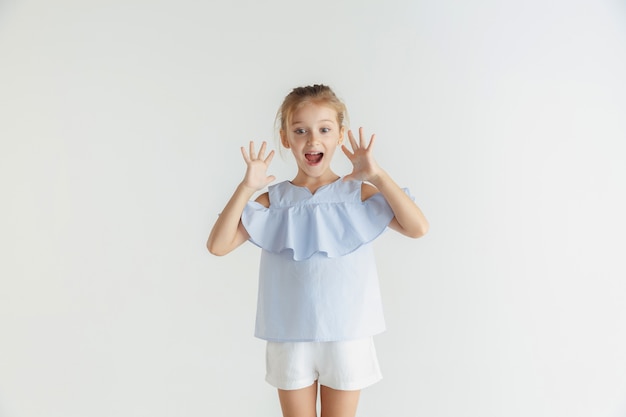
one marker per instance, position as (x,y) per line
(408,218)
(228,232)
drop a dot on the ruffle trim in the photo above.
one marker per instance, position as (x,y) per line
(334,229)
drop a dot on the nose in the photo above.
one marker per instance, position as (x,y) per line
(313,137)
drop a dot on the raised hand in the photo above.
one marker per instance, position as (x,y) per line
(256,173)
(365,167)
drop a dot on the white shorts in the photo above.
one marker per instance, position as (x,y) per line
(345,365)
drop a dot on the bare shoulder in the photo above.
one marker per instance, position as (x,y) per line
(264,199)
(367,190)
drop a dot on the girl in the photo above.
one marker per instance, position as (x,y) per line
(319,302)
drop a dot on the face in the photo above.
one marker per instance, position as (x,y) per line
(313,135)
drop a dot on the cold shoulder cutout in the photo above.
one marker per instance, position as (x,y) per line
(263,199)
(367,190)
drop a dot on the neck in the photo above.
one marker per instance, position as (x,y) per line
(313,183)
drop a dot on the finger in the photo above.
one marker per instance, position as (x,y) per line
(245,155)
(262,150)
(252,153)
(361,138)
(269,158)
(352,140)
(371,144)
(347,152)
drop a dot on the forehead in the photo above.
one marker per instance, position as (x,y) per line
(313,112)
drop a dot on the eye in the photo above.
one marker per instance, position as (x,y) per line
(299,131)
(325,129)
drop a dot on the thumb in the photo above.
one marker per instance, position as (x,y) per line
(346,151)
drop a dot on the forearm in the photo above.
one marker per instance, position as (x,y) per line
(410,219)
(226,234)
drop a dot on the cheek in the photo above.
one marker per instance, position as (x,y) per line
(332,148)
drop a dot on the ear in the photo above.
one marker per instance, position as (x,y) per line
(283,139)
(341,133)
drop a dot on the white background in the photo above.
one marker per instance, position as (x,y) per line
(120,128)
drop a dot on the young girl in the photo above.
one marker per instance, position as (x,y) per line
(319,303)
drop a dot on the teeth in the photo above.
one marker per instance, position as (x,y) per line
(314,156)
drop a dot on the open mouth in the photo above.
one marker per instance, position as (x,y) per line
(314,157)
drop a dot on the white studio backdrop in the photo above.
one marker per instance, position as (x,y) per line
(120,128)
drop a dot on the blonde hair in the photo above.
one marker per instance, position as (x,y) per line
(316,94)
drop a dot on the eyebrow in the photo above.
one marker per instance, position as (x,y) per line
(319,121)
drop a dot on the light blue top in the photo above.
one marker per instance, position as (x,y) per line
(317,279)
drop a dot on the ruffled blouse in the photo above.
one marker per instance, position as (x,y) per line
(333,221)
(317,279)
